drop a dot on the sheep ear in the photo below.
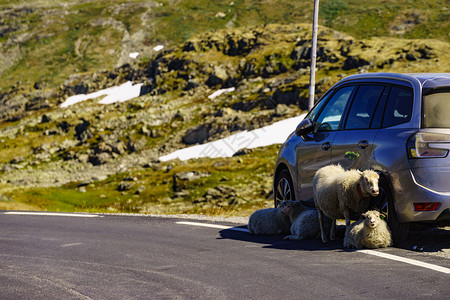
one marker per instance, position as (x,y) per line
(383,215)
(282,204)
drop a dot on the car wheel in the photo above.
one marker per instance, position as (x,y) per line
(284,189)
(385,204)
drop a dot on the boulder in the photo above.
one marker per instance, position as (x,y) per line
(191,175)
(196,135)
(125,186)
(353,62)
(218,77)
(99,159)
(220,196)
(81,130)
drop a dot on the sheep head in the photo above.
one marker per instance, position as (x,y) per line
(369,182)
(372,218)
(290,208)
(282,204)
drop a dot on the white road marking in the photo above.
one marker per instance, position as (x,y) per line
(213,226)
(407,260)
(370,252)
(71,245)
(30,213)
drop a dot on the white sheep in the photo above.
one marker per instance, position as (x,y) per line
(304,221)
(371,232)
(269,221)
(337,192)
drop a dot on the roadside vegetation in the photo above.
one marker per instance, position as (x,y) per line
(234,186)
(104,158)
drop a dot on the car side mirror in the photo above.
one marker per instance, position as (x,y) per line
(306,126)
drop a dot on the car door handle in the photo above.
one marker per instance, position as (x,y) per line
(326,146)
(363,144)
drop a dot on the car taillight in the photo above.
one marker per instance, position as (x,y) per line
(426,206)
(428,145)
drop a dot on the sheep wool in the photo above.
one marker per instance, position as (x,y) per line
(305,223)
(269,221)
(371,232)
(338,192)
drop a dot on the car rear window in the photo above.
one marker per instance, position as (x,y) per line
(436,110)
(399,107)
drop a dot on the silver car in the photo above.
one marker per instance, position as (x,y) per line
(396,124)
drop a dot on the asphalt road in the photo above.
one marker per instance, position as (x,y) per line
(141,257)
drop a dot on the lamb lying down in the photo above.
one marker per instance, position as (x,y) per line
(371,232)
(305,222)
(269,221)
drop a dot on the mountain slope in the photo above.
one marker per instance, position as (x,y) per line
(94,157)
(45,41)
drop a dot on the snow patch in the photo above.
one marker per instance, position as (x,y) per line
(113,94)
(133,55)
(275,133)
(220,92)
(122,93)
(158,48)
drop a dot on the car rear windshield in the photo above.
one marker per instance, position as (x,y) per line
(436,110)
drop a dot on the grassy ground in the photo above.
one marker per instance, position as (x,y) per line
(151,190)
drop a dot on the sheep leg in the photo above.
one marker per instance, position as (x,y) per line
(322,232)
(347,220)
(333,230)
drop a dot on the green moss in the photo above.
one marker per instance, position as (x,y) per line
(21,146)
(253,170)
(330,9)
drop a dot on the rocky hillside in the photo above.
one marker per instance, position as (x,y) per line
(43,42)
(95,157)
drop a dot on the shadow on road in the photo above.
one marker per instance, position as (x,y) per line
(277,241)
(432,240)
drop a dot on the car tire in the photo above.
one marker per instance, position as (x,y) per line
(283,187)
(385,204)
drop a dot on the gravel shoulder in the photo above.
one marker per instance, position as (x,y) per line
(232,220)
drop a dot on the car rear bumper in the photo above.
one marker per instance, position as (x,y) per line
(407,192)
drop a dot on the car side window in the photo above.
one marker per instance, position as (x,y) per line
(312,113)
(363,106)
(398,107)
(330,117)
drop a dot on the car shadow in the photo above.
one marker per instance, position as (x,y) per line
(276,241)
(431,240)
